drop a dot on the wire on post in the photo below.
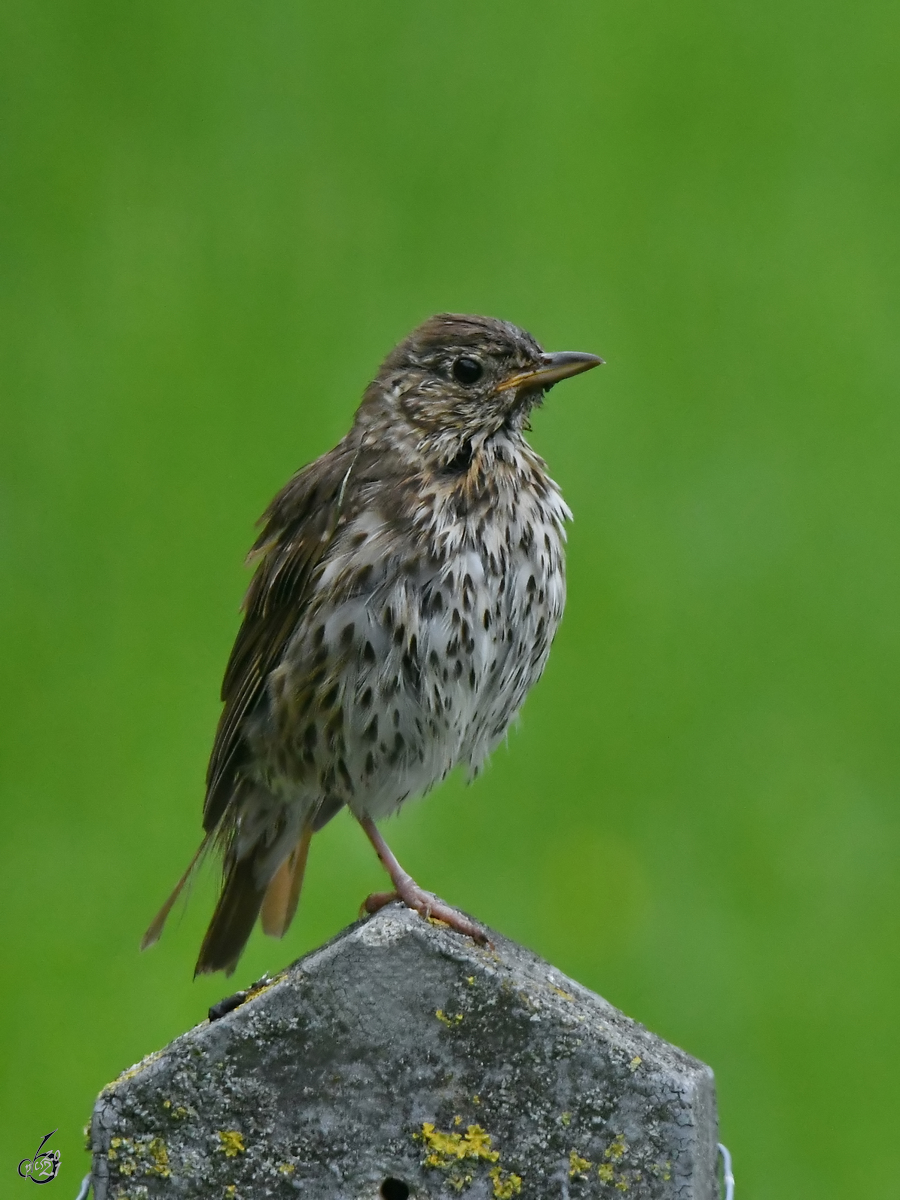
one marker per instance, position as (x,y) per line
(727,1176)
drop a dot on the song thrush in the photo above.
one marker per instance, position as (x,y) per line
(407,589)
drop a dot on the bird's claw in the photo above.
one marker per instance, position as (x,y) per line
(429,906)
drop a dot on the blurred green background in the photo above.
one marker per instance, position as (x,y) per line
(216,219)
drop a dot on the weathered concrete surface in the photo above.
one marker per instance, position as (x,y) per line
(403,1052)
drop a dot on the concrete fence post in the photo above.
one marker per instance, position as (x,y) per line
(401,1060)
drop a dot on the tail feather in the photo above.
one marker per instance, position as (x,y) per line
(283,892)
(156,925)
(249,890)
(233,921)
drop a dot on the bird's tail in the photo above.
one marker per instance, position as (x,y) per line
(156,925)
(244,898)
(264,881)
(233,920)
(283,893)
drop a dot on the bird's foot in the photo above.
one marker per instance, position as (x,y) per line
(429,906)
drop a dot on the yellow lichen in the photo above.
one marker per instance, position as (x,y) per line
(131,1072)
(577,1164)
(470,980)
(448,1148)
(160,1156)
(622,1184)
(565,1118)
(131,1156)
(231,1191)
(559,991)
(606,1173)
(286,1168)
(263,986)
(616,1148)
(635,1062)
(446,1019)
(505,1185)
(231,1143)
(476,1099)
(451,1152)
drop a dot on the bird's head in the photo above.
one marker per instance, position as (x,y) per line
(457,380)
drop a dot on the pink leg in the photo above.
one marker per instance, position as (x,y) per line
(407,890)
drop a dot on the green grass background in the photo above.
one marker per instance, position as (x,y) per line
(216,218)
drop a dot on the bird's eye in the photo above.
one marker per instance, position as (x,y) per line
(467,370)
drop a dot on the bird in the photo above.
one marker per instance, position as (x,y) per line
(408,586)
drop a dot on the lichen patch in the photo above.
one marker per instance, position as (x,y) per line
(578,1166)
(231,1143)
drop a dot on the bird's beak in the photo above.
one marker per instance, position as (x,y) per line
(553,368)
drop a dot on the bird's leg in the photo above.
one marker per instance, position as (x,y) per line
(407,890)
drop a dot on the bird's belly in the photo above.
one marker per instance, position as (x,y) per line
(423,672)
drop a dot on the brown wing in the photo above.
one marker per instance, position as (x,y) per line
(297,529)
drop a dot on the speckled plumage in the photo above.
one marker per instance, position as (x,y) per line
(408,588)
